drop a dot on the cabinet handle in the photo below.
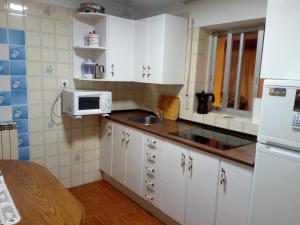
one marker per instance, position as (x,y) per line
(109,130)
(127,137)
(149,183)
(222,176)
(144,67)
(150,156)
(150,170)
(123,138)
(182,160)
(148,197)
(148,75)
(144,74)
(112,69)
(149,67)
(190,165)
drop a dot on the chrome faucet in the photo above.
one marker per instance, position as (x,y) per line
(160,114)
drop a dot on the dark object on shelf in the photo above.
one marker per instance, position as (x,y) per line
(91,7)
(204,101)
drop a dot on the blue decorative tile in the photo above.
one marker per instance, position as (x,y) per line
(16,37)
(18,83)
(22,126)
(4,67)
(24,153)
(19,98)
(20,112)
(16,52)
(5,98)
(23,140)
(17,67)
(3,35)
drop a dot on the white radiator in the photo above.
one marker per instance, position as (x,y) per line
(9,141)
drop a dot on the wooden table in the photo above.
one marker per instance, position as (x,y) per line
(38,195)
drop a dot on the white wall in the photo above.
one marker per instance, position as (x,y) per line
(213,12)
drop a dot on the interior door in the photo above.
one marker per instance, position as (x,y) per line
(120,49)
(173,186)
(106,146)
(134,159)
(202,188)
(141,49)
(119,153)
(156,48)
(234,194)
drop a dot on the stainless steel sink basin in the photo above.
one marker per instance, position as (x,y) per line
(146,120)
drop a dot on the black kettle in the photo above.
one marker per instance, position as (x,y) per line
(204,101)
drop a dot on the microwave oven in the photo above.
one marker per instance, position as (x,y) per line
(80,102)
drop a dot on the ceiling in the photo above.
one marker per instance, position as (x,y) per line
(146,4)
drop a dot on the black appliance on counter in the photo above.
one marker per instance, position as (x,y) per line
(204,100)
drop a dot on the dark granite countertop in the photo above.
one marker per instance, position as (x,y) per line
(244,155)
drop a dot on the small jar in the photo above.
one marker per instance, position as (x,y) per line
(92,39)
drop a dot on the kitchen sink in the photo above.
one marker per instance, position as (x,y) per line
(146,120)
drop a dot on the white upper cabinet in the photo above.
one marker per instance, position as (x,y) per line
(141,49)
(161,52)
(281,52)
(234,194)
(120,66)
(202,188)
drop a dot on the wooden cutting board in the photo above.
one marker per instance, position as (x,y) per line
(170,105)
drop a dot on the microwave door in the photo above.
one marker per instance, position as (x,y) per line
(88,105)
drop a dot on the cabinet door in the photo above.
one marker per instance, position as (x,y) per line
(202,188)
(134,159)
(156,47)
(119,153)
(173,184)
(141,49)
(120,49)
(281,51)
(234,194)
(106,146)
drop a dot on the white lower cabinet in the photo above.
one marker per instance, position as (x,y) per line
(127,157)
(234,194)
(202,188)
(190,186)
(174,175)
(106,146)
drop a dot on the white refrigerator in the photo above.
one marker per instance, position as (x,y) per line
(276,185)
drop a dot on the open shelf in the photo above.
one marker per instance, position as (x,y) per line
(90,48)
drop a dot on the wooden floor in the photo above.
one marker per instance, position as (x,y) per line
(104,205)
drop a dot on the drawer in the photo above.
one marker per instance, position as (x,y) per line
(152,196)
(152,142)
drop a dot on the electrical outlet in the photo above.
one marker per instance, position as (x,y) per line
(64,83)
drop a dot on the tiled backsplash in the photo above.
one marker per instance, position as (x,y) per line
(13,85)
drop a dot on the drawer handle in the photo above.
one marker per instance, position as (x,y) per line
(149,184)
(148,197)
(150,156)
(150,170)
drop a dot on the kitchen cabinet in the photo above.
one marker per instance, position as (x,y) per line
(202,188)
(106,145)
(127,157)
(281,51)
(234,194)
(119,153)
(161,49)
(120,65)
(174,177)
(153,147)
(141,49)
(134,159)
